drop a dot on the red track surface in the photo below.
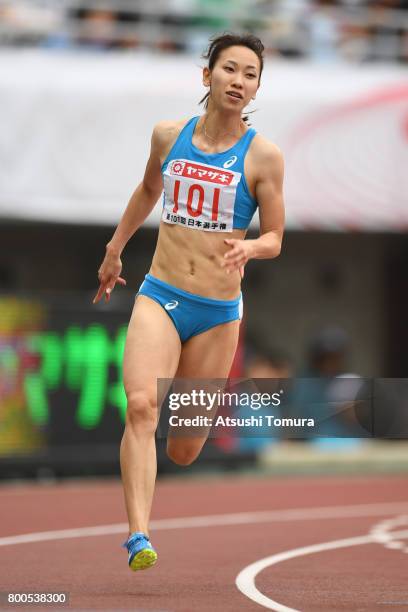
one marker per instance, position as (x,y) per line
(198,566)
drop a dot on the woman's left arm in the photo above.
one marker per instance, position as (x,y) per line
(269,195)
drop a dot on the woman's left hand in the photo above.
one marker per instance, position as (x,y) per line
(237,256)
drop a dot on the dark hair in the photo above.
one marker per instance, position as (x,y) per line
(223,41)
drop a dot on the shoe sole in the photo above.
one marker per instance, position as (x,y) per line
(143,560)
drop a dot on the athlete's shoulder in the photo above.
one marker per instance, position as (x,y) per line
(267,157)
(266,150)
(167,130)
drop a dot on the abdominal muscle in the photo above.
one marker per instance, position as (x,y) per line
(191,260)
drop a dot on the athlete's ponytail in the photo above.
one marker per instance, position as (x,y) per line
(219,43)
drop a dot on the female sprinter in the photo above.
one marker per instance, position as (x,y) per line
(215,172)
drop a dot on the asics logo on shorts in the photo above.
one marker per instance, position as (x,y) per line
(230,162)
(171,305)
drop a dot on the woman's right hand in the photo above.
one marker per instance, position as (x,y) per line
(108,275)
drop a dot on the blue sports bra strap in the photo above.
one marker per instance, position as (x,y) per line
(189,127)
(246,141)
(183,139)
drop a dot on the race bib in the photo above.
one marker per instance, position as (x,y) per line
(199,196)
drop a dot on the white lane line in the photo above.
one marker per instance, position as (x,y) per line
(215,520)
(245,581)
(384,535)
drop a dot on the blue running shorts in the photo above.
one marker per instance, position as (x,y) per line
(191,314)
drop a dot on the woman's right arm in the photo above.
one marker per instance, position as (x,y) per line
(143,198)
(138,209)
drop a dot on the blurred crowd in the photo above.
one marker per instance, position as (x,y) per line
(348,409)
(322,388)
(321,30)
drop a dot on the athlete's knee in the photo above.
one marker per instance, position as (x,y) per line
(183,454)
(141,413)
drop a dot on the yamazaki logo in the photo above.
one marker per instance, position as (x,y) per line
(202,173)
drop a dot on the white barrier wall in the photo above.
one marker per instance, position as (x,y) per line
(75,134)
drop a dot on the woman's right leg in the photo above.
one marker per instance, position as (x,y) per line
(152,351)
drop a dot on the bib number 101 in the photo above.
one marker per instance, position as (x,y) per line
(196,193)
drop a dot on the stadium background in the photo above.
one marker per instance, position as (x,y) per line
(81,86)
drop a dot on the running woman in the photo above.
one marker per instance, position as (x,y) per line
(215,172)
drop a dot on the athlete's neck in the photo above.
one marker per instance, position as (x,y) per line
(218,127)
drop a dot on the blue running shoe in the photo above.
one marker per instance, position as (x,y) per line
(141,553)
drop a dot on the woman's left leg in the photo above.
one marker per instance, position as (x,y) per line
(206,355)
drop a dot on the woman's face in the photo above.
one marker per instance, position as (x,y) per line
(234,79)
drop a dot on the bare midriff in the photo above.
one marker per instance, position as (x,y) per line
(191,260)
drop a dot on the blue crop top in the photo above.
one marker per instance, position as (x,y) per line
(207,191)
